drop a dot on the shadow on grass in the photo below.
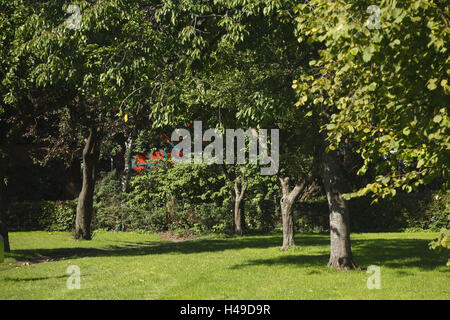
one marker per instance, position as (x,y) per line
(153,247)
(299,260)
(397,253)
(10,279)
(394,253)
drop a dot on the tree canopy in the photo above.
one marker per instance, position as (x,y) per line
(340,80)
(380,78)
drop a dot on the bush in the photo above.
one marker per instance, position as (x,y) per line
(438,213)
(161,200)
(202,218)
(122,218)
(419,211)
(42,215)
(58,215)
(108,191)
(194,199)
(442,243)
(196,219)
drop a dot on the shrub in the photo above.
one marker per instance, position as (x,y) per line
(442,243)
(42,215)
(122,218)
(195,199)
(201,218)
(108,190)
(58,215)
(196,219)
(419,211)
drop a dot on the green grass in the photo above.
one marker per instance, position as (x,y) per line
(143,266)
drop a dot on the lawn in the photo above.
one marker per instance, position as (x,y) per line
(145,266)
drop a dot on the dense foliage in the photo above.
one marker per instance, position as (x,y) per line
(145,208)
(357,91)
(381,78)
(442,243)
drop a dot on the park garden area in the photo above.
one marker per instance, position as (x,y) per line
(146,266)
(238,149)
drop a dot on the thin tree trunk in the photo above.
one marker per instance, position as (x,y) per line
(237,218)
(340,252)
(243,224)
(238,199)
(85,200)
(286,203)
(288,226)
(127,168)
(3,204)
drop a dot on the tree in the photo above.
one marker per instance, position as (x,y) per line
(378,79)
(6,31)
(382,77)
(17,105)
(105,64)
(299,170)
(286,204)
(340,247)
(243,57)
(3,205)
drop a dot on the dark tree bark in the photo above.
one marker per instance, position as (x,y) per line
(10,133)
(91,154)
(127,169)
(340,252)
(238,199)
(3,203)
(286,203)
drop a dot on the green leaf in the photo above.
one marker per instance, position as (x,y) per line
(372,86)
(437,118)
(367,55)
(406,131)
(432,84)
(420,163)
(354,51)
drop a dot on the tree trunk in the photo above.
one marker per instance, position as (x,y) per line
(91,154)
(288,226)
(237,218)
(287,215)
(3,203)
(127,168)
(340,252)
(243,224)
(238,199)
